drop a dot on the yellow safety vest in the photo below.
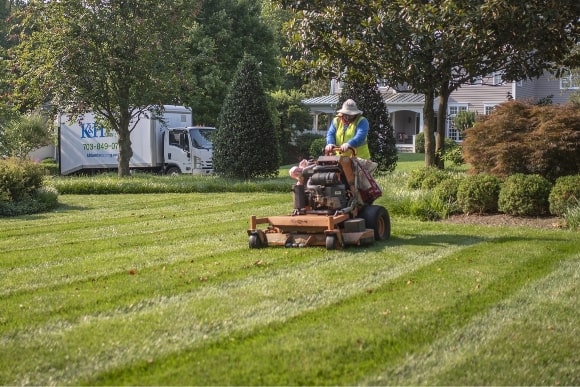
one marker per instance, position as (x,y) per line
(344,134)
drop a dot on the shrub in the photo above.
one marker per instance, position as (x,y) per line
(446,193)
(417,176)
(519,137)
(565,194)
(572,217)
(433,177)
(453,152)
(420,142)
(524,195)
(426,209)
(245,143)
(41,200)
(478,194)
(304,142)
(317,148)
(19,178)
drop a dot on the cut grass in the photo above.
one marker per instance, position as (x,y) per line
(162,289)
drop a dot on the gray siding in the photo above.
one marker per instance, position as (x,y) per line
(548,85)
(478,96)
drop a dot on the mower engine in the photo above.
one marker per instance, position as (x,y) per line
(325,190)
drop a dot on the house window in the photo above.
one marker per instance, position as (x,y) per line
(488,108)
(570,81)
(452,111)
(497,80)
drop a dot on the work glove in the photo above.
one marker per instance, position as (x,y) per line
(329,148)
(345,147)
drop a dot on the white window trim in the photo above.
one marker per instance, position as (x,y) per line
(449,120)
(572,81)
(489,105)
(497,80)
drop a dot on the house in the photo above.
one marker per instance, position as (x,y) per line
(406,108)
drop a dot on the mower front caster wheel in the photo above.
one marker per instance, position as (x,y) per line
(331,242)
(255,242)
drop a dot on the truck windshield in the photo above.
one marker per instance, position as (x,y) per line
(201,137)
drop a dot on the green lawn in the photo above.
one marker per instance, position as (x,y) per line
(161,289)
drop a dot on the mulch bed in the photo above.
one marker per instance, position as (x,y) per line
(547,222)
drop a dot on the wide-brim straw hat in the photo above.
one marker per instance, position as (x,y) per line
(349,108)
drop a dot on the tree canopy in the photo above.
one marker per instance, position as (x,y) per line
(431,47)
(116,59)
(225,31)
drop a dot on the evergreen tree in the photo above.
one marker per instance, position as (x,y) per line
(381,137)
(245,144)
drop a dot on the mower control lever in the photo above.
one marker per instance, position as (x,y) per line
(337,149)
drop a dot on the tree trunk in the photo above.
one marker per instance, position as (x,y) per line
(428,130)
(125,150)
(441,126)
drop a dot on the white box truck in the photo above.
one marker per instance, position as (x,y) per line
(170,146)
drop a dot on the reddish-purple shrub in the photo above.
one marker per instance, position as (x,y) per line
(519,137)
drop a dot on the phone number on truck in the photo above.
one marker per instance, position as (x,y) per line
(101,146)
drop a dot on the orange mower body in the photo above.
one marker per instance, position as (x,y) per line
(332,207)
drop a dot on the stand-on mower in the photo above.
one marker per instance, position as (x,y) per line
(332,207)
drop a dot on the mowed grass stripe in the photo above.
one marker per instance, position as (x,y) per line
(217,310)
(227,296)
(544,310)
(89,231)
(360,333)
(187,209)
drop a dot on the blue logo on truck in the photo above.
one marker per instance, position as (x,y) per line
(92,130)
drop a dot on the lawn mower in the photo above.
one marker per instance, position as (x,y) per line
(332,207)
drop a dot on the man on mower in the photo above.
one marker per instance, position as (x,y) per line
(348,130)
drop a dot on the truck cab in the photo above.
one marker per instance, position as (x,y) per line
(188,150)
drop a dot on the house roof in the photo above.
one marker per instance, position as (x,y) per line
(405,98)
(331,101)
(324,100)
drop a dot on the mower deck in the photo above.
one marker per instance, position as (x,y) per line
(332,231)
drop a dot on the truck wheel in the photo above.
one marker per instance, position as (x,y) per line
(331,242)
(173,171)
(377,218)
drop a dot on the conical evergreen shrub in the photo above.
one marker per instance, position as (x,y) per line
(245,143)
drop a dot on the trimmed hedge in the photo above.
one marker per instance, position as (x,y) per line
(564,195)
(478,194)
(524,195)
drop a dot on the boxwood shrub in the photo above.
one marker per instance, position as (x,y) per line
(524,195)
(478,194)
(446,193)
(564,195)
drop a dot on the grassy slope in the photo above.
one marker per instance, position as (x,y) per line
(162,289)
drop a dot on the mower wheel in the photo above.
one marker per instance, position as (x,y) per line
(377,218)
(254,241)
(331,242)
